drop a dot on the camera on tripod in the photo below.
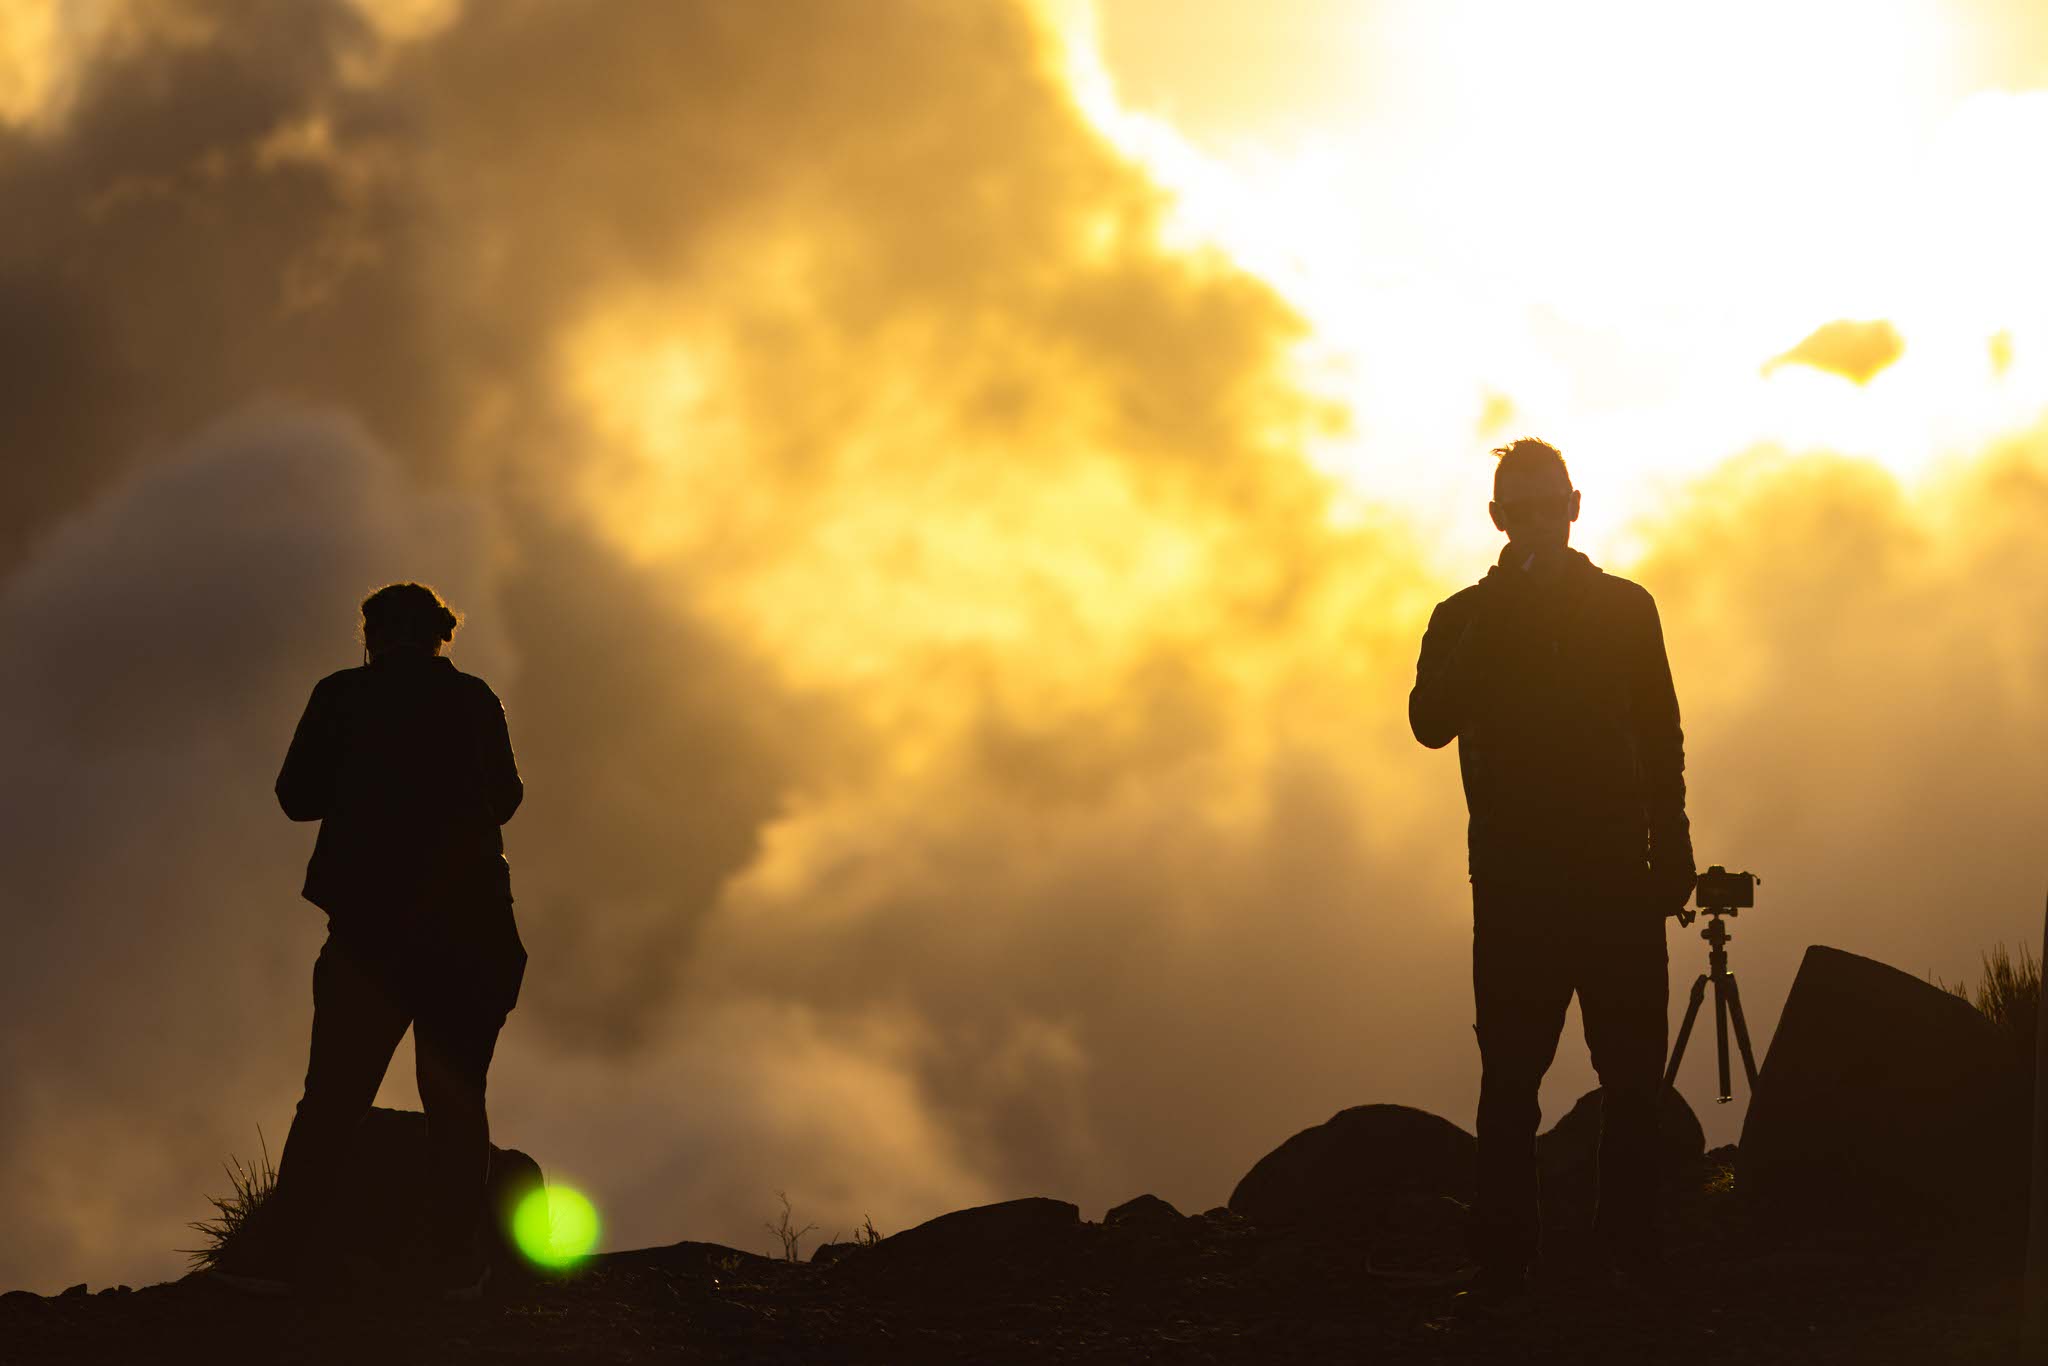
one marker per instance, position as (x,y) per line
(1720,890)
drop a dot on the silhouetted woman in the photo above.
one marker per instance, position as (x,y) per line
(407,765)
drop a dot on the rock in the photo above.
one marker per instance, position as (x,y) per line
(390,1159)
(1569,1155)
(1143,1209)
(693,1259)
(384,1190)
(972,1253)
(513,1176)
(1884,1101)
(1422,1234)
(1341,1176)
(824,1254)
(72,1291)
(984,1229)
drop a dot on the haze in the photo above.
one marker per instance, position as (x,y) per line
(949,495)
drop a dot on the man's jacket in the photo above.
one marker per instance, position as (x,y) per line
(1554,682)
(407,765)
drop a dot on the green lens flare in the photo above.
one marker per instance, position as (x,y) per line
(555,1226)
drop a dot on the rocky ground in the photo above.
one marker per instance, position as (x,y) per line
(1032,1282)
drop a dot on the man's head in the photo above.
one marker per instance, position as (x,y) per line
(407,616)
(1533,498)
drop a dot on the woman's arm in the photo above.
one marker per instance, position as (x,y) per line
(305,785)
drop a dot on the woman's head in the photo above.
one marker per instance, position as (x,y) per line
(407,616)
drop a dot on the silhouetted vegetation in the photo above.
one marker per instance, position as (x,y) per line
(786,1231)
(2009,995)
(249,1185)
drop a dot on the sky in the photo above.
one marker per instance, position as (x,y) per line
(949,495)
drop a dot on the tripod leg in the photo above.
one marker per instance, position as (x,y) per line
(1741,1033)
(1692,1011)
(1721,1038)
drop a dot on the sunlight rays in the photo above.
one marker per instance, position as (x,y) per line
(1598,220)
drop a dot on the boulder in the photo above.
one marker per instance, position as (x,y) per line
(1884,1101)
(388,1182)
(1421,1235)
(1342,1175)
(385,1185)
(712,1260)
(971,1255)
(984,1231)
(1569,1155)
(1143,1209)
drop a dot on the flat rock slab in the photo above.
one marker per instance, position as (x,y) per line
(1884,1100)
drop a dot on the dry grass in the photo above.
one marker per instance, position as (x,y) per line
(249,1185)
(2009,995)
(787,1233)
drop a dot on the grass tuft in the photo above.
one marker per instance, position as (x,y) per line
(249,1185)
(2008,995)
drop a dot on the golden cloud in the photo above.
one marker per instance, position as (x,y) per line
(966,754)
(1857,351)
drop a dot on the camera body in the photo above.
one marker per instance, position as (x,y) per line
(1720,890)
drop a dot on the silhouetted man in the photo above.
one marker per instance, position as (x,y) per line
(1552,678)
(407,765)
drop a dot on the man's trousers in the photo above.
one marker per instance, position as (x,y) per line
(1530,952)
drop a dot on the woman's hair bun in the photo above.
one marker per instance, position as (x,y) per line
(408,614)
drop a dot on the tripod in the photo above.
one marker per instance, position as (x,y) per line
(1727,1002)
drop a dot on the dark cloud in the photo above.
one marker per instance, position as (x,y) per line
(964,757)
(157,271)
(152,653)
(653,756)
(937,324)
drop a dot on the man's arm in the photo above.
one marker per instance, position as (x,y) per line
(1660,752)
(502,788)
(305,785)
(1441,703)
